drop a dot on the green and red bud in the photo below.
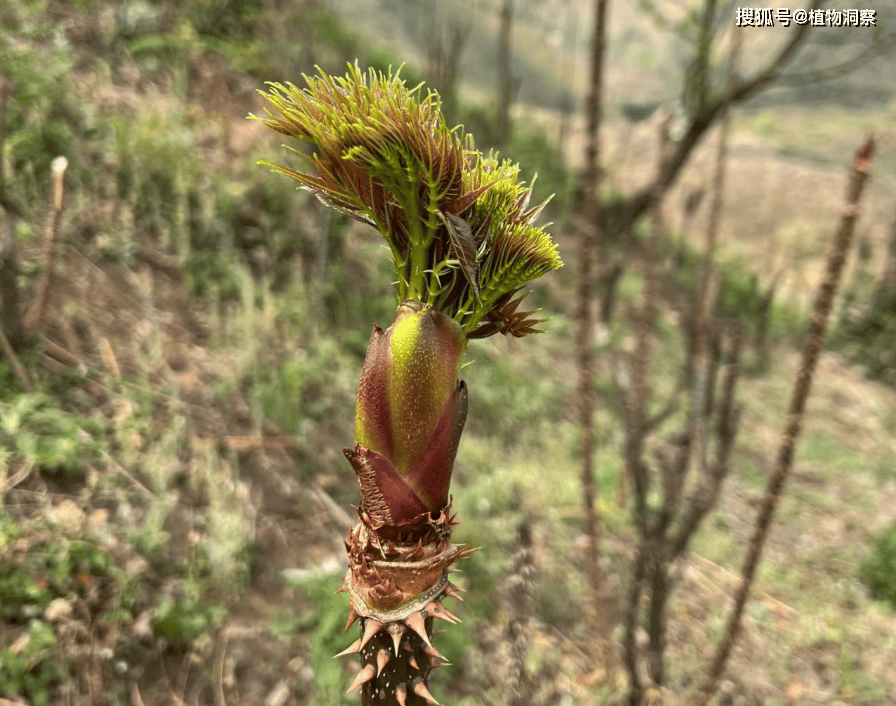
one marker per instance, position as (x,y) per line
(410,415)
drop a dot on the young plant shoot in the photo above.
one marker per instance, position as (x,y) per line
(464,243)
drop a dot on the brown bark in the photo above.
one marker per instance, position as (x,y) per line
(814,342)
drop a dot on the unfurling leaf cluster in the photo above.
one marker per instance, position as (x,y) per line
(458,222)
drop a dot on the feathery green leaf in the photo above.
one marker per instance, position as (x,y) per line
(457,222)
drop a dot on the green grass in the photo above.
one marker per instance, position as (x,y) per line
(796,131)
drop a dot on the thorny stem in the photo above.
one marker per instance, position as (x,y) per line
(824,299)
(586,375)
(589,243)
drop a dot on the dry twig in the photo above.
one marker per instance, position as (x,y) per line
(54,220)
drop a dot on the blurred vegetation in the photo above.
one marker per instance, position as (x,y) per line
(878,570)
(868,329)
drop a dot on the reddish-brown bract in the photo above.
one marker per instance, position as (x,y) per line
(410,416)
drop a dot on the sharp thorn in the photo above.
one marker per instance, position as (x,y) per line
(415,622)
(382,659)
(396,630)
(434,609)
(421,691)
(352,649)
(401,694)
(371,628)
(352,616)
(451,590)
(364,676)
(434,654)
(413,662)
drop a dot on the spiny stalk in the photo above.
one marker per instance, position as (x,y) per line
(463,241)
